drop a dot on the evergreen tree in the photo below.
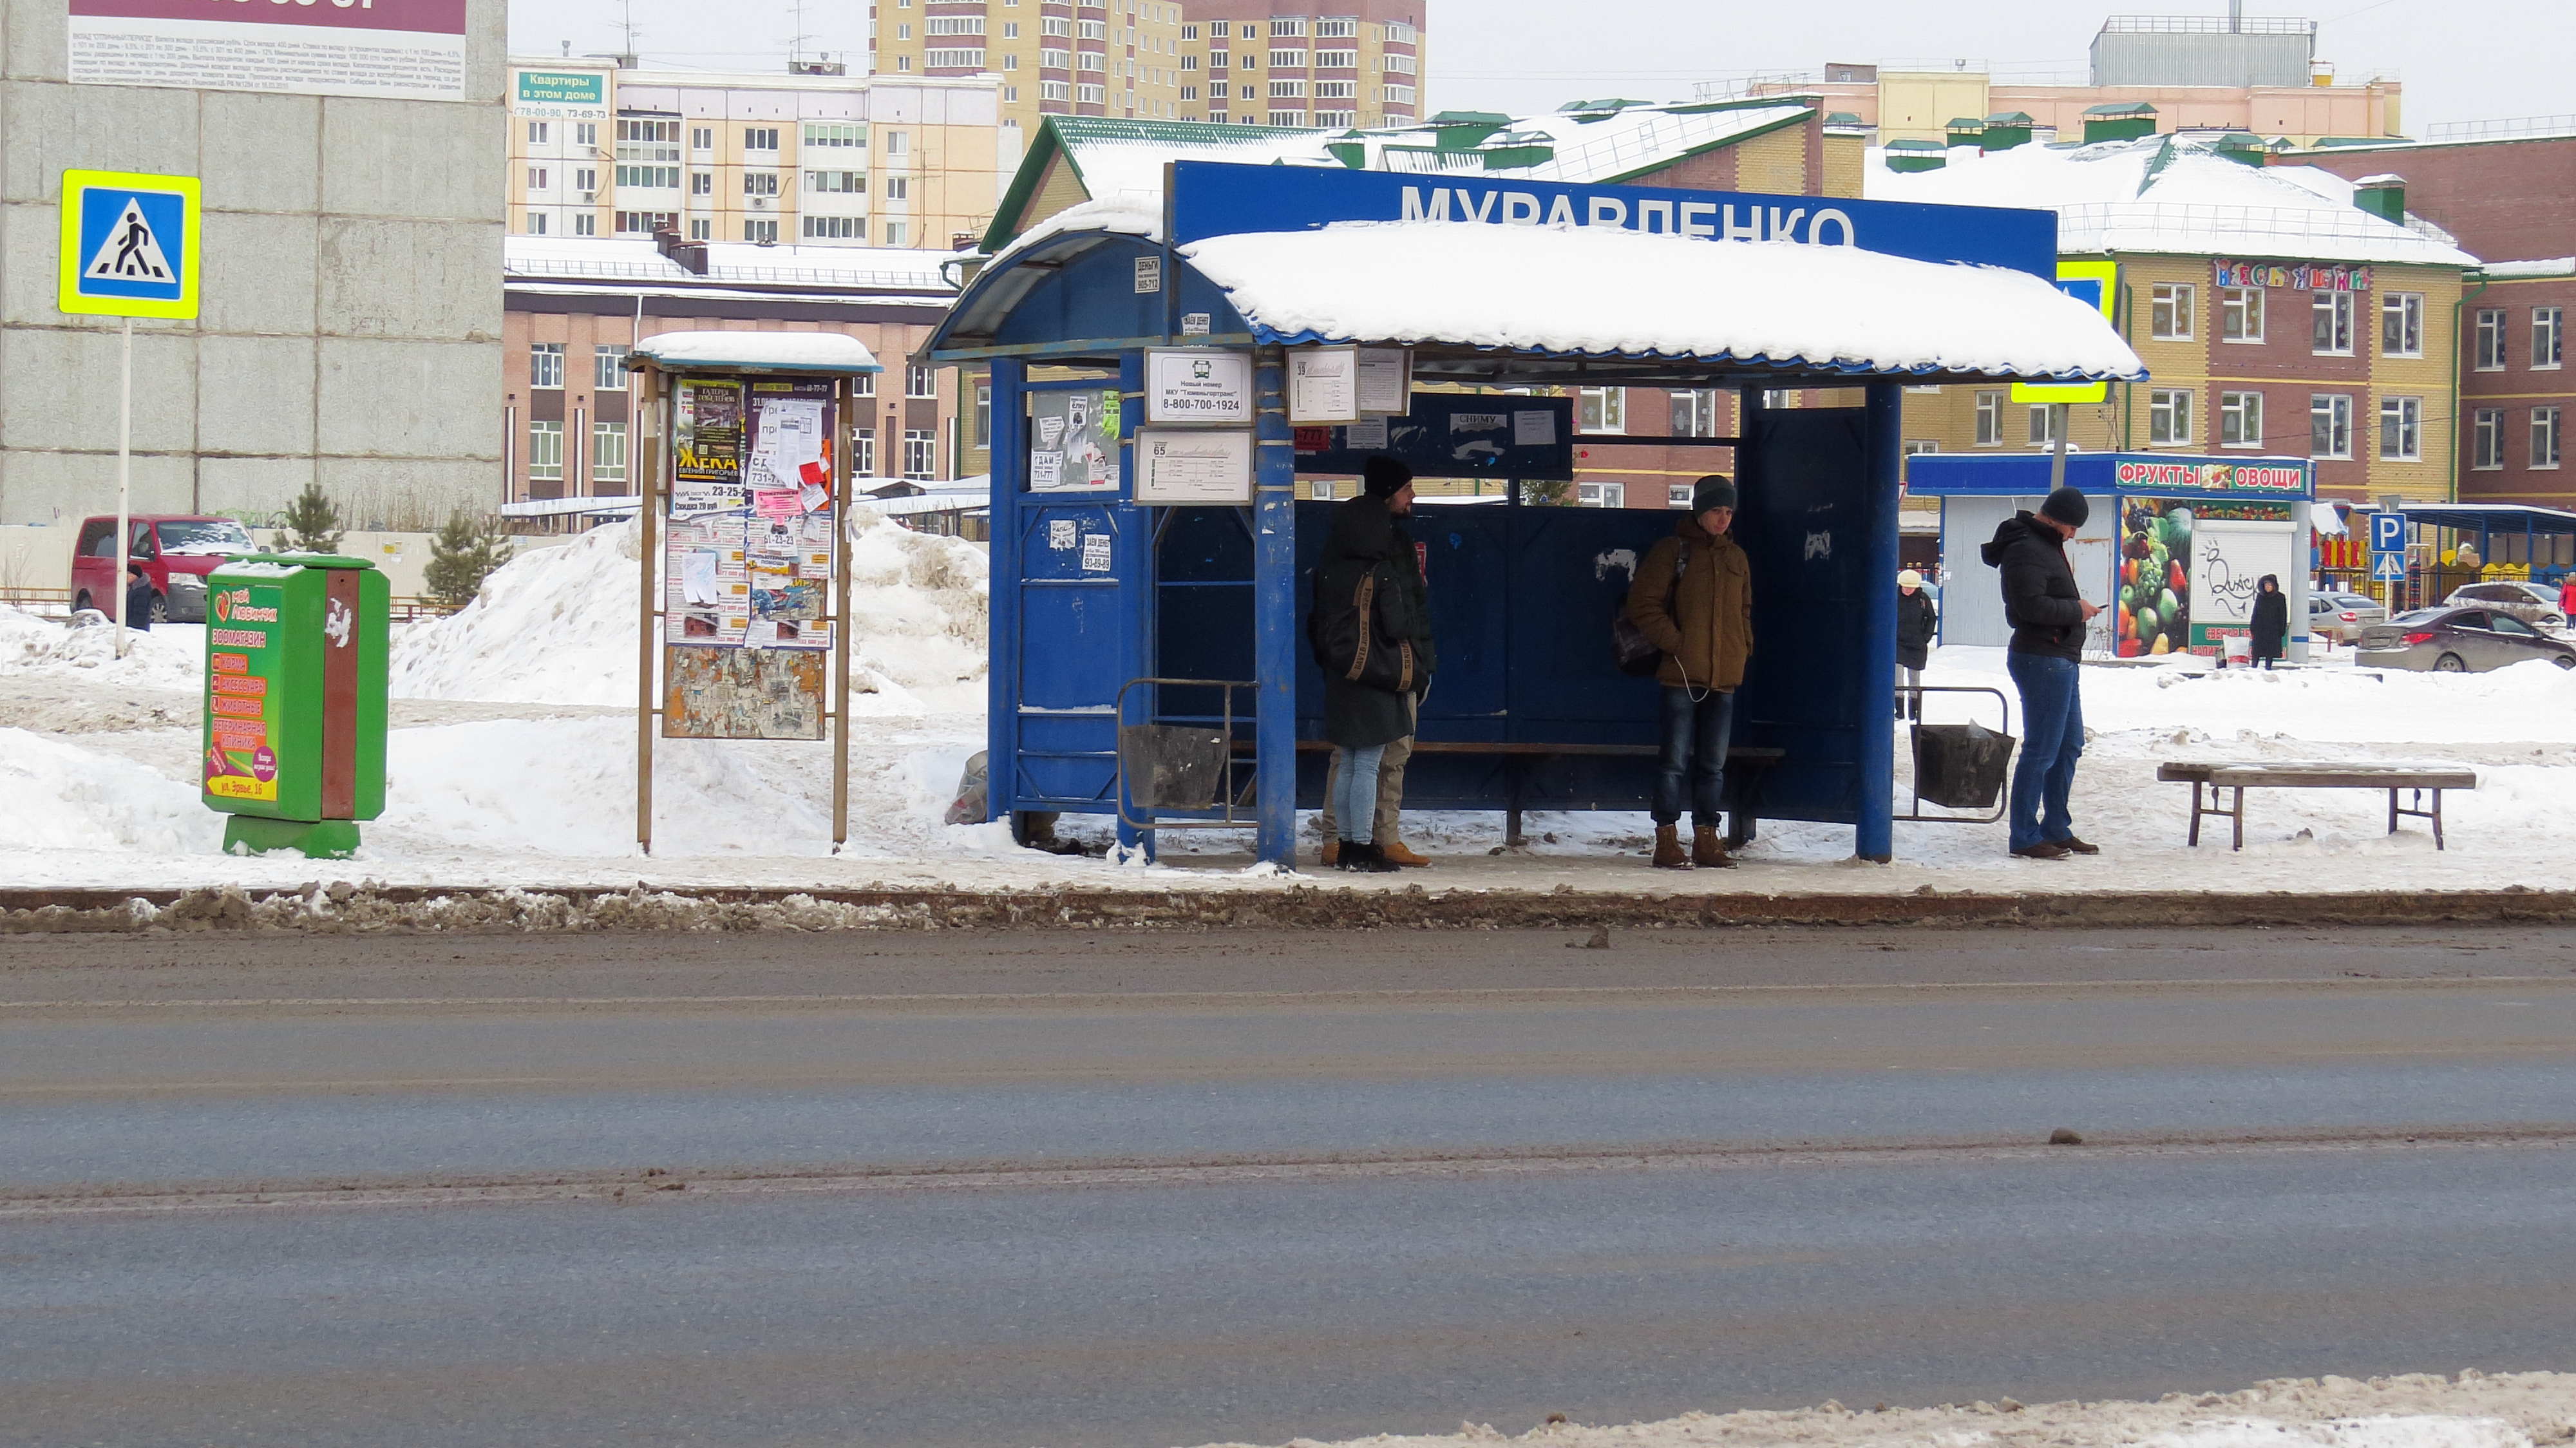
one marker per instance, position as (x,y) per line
(312,524)
(462,555)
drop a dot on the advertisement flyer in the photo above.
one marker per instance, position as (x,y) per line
(707,448)
(243,706)
(1073,442)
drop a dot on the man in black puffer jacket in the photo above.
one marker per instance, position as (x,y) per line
(2047,615)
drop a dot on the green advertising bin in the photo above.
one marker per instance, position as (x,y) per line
(295,701)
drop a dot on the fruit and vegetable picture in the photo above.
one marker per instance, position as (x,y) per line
(2155,577)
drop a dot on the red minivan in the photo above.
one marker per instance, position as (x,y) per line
(177,551)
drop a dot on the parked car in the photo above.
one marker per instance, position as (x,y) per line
(2533,603)
(2458,641)
(177,551)
(2342,616)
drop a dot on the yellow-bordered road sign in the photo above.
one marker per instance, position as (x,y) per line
(2092,283)
(129,245)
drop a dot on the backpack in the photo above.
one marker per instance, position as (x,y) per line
(1634,653)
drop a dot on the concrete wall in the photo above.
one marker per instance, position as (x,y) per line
(351,329)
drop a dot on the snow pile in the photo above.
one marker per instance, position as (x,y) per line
(1630,293)
(2513,1410)
(64,797)
(172,656)
(558,626)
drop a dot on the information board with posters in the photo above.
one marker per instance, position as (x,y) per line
(410,50)
(1073,441)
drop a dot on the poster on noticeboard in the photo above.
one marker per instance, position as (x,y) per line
(1073,441)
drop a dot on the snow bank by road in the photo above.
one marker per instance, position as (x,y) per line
(558,626)
(2516,1410)
(169,657)
(63,797)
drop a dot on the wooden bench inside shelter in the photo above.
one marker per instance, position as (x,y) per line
(2224,775)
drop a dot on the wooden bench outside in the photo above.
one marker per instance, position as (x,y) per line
(2240,777)
(1755,760)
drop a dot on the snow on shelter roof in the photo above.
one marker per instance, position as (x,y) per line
(1583,292)
(758,352)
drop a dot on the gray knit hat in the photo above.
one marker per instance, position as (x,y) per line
(1717,490)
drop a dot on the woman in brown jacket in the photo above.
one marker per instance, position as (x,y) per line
(1693,598)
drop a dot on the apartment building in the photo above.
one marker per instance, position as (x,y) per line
(598,151)
(1256,62)
(2281,311)
(2516,396)
(574,307)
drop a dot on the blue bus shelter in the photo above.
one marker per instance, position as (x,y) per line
(1163,371)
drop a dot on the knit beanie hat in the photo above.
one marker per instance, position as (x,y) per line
(2066,506)
(1384,477)
(1717,490)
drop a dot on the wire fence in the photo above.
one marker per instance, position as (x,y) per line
(2501,130)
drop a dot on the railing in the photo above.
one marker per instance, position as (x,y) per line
(2317,224)
(2207,25)
(2498,130)
(550,267)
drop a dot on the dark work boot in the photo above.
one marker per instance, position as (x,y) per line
(1368,859)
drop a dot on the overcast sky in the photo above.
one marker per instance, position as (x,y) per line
(2460,59)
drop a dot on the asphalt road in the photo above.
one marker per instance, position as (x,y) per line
(1026,1189)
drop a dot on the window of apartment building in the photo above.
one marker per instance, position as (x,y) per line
(836,137)
(702,230)
(863,452)
(1398,33)
(2544,437)
(954,25)
(2489,354)
(645,223)
(1395,65)
(2240,314)
(536,223)
(2486,438)
(759,183)
(1287,59)
(1285,27)
(1990,419)
(658,177)
(1054,90)
(585,224)
(898,188)
(1336,90)
(1091,30)
(1677,495)
(756,231)
(608,452)
(1694,413)
(920,382)
(1914,445)
(864,385)
(1287,90)
(897,142)
(760,138)
(1220,29)
(1602,495)
(2329,425)
(920,454)
(585,133)
(1191,32)
(545,452)
(2548,336)
(2169,319)
(702,138)
(953,59)
(586,178)
(1089,60)
(538,178)
(983,414)
(835,228)
(702,183)
(2401,427)
(2169,417)
(1189,93)
(1401,95)
(545,364)
(1054,25)
(897,234)
(2330,323)
(2401,324)
(536,133)
(608,368)
(1603,409)
(2040,433)
(2240,419)
(1337,60)
(1339,28)
(649,133)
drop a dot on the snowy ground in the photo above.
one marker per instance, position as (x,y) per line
(2513,1410)
(512,763)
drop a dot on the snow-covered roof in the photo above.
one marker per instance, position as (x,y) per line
(2564,266)
(776,351)
(1569,291)
(618,259)
(2159,195)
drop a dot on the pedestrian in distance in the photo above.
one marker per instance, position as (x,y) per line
(1361,632)
(2567,593)
(2047,615)
(1386,477)
(2271,626)
(1692,597)
(1915,622)
(138,597)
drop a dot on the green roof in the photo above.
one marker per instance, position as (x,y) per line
(1965,123)
(1469,118)
(1916,146)
(1065,134)
(1602,105)
(1844,118)
(2122,108)
(2009,118)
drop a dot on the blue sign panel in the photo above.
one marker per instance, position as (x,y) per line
(1212,198)
(2388,568)
(2388,533)
(1452,435)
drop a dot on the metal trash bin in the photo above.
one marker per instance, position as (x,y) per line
(1172,766)
(1960,766)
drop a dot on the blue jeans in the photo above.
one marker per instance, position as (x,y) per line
(1695,735)
(2052,728)
(1355,792)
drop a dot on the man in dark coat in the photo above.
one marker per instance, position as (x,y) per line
(1693,598)
(2047,615)
(1915,622)
(138,598)
(1362,633)
(2271,626)
(1390,479)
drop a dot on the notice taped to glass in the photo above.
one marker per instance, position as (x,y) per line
(1073,442)
(1177,466)
(1198,384)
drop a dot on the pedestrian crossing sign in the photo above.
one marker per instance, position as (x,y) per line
(2388,568)
(129,245)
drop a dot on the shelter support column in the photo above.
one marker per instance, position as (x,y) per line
(1874,826)
(1135,531)
(1009,455)
(2296,585)
(1274,611)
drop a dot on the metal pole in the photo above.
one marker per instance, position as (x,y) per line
(124,486)
(2302,515)
(648,499)
(1010,458)
(840,514)
(1873,826)
(2057,453)
(1274,611)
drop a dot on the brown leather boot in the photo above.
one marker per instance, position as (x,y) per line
(1708,852)
(1668,848)
(1332,853)
(1397,853)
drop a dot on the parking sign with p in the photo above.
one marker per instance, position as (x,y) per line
(129,245)
(2387,532)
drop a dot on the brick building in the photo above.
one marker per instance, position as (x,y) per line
(574,307)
